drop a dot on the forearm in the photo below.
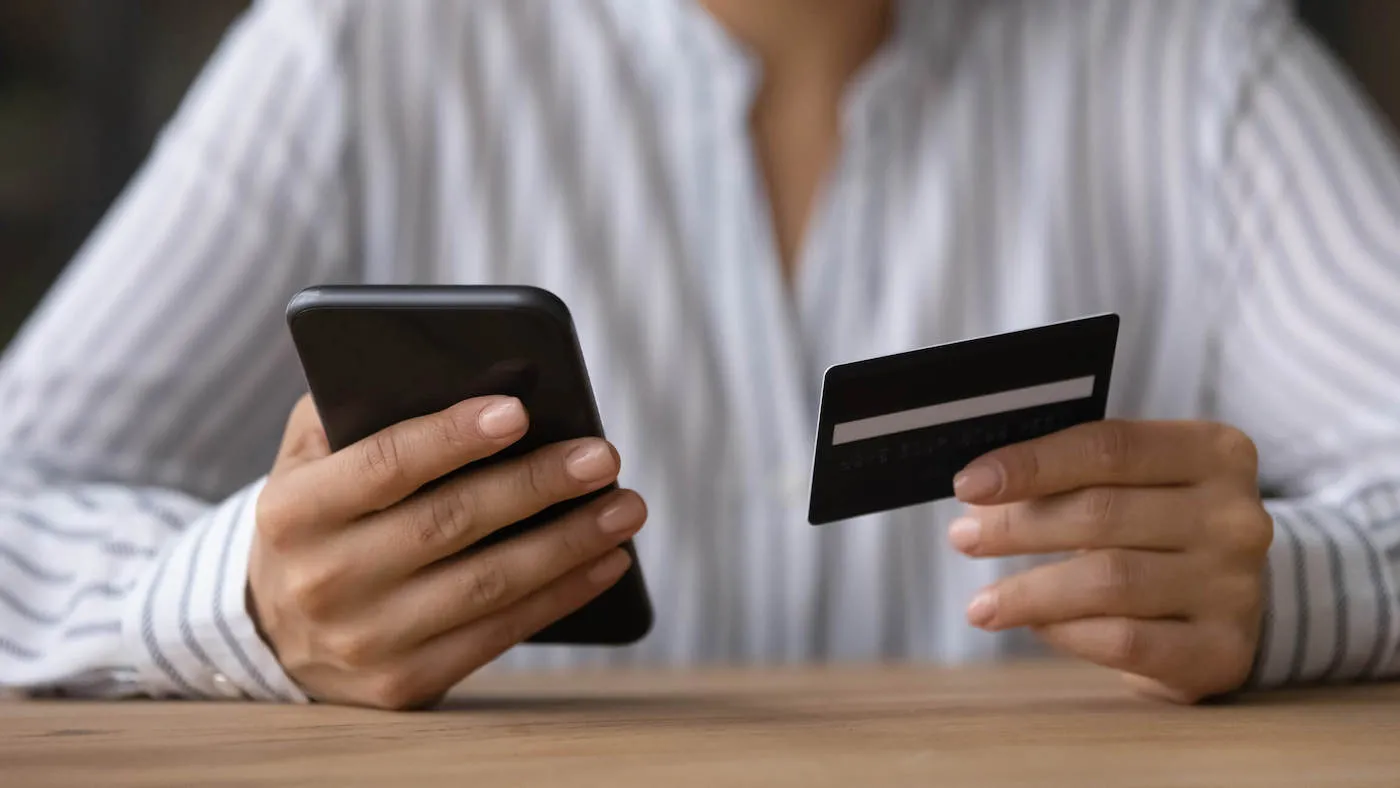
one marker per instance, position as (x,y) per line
(109,591)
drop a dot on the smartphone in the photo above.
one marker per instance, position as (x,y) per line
(376,355)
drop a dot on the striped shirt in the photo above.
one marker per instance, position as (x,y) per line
(1202,168)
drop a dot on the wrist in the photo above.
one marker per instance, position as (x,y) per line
(189,624)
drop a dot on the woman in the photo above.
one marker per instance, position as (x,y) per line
(730,196)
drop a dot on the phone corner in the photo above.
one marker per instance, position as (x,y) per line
(546,300)
(301,302)
(645,624)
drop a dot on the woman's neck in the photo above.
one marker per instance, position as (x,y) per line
(822,41)
(810,50)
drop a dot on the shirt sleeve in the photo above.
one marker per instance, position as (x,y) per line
(1308,360)
(143,401)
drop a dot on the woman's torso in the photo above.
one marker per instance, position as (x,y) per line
(1005,164)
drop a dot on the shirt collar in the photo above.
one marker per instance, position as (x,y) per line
(658,32)
(923,30)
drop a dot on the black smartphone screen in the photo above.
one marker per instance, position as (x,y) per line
(377,355)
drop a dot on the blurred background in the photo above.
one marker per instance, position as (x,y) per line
(85,85)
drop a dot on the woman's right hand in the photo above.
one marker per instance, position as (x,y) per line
(355,578)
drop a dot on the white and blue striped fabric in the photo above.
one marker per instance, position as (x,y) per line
(1201,167)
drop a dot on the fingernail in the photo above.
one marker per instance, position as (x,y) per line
(621,517)
(501,419)
(590,463)
(977,481)
(609,568)
(983,609)
(965,533)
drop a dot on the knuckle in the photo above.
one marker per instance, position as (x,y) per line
(1108,445)
(379,459)
(580,540)
(1011,595)
(1245,529)
(541,477)
(273,518)
(1253,532)
(997,528)
(504,633)
(1125,644)
(444,518)
(1235,448)
(1031,467)
(1099,506)
(456,428)
(396,689)
(486,584)
(1114,574)
(351,648)
(1022,464)
(313,591)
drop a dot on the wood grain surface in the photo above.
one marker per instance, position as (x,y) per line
(1048,724)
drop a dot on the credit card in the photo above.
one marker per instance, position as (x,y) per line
(894,431)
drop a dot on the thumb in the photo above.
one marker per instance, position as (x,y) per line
(304,439)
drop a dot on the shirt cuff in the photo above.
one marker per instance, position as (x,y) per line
(187,625)
(1331,612)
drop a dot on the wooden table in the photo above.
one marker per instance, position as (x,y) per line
(1033,724)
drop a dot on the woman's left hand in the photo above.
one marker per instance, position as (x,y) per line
(1169,537)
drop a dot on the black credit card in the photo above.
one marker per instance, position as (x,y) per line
(894,431)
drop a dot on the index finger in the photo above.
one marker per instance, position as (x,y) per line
(1101,453)
(392,464)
